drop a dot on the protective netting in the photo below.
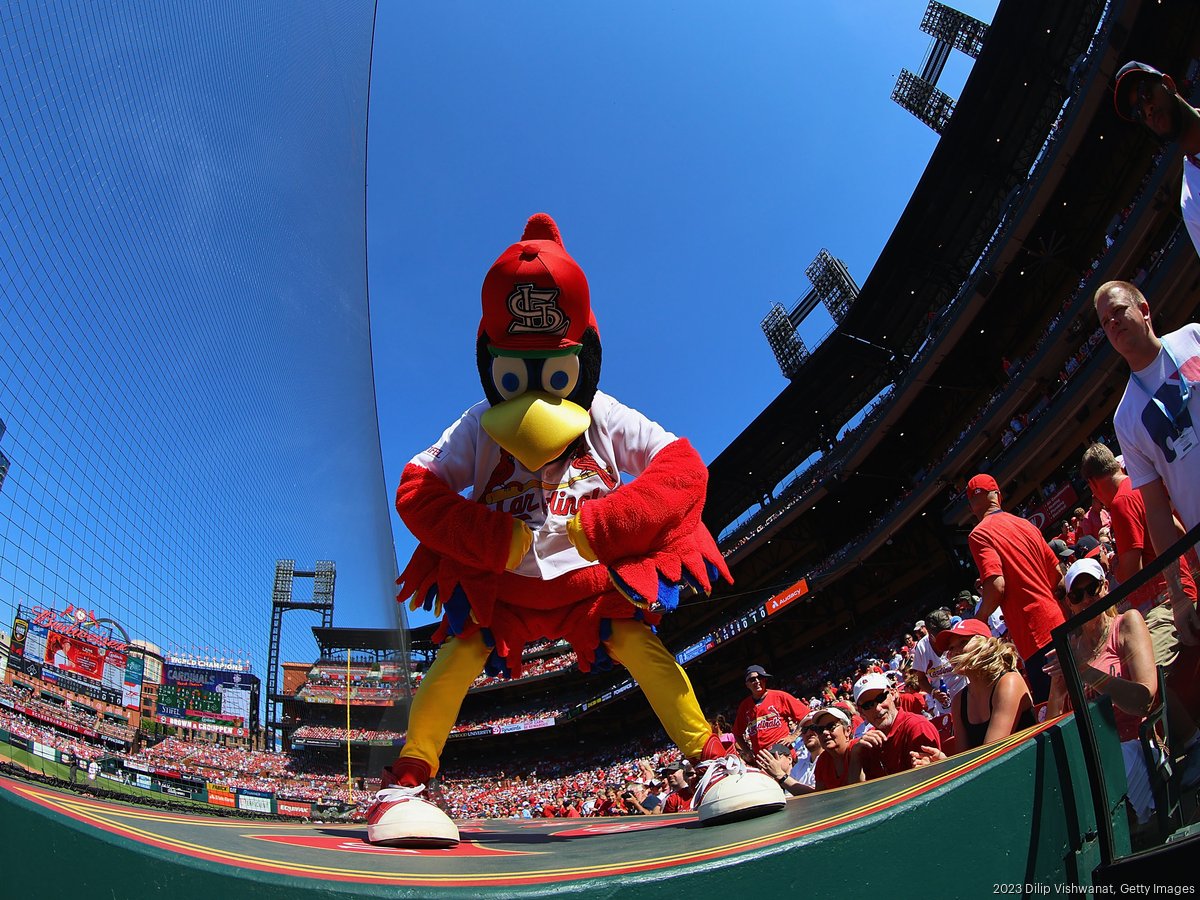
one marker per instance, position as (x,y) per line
(186,383)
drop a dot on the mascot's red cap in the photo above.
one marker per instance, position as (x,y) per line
(535,296)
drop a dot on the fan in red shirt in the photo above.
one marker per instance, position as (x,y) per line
(682,779)
(832,768)
(1019,574)
(895,735)
(767,716)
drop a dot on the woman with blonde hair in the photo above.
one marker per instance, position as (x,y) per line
(996,701)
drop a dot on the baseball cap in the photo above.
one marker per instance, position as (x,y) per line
(1128,75)
(1090,566)
(757,670)
(967,628)
(1061,550)
(831,712)
(535,296)
(1087,546)
(872,682)
(981,484)
(920,623)
(781,749)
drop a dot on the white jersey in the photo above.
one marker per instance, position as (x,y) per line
(937,669)
(619,440)
(1151,444)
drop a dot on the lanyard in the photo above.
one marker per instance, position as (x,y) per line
(1184,392)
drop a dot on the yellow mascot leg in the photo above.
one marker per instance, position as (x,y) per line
(664,683)
(438,700)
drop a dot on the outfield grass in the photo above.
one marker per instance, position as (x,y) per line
(27,760)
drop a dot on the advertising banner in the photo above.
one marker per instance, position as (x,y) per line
(253,803)
(785,598)
(174,791)
(144,782)
(221,796)
(293,808)
(1053,509)
(16,644)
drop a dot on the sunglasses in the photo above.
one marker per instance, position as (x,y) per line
(824,726)
(868,705)
(1078,594)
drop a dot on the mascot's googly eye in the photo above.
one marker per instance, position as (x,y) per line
(560,374)
(510,375)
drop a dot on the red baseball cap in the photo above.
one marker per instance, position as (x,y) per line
(535,296)
(967,627)
(1130,73)
(981,484)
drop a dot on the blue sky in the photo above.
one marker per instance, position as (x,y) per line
(696,159)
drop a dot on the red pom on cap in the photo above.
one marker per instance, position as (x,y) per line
(541,227)
(535,296)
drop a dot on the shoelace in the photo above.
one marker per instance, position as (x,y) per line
(397,792)
(733,764)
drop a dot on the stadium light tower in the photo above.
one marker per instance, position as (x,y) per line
(323,576)
(951,30)
(833,286)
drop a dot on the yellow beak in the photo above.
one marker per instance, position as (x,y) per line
(535,427)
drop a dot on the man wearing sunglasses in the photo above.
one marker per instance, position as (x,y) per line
(768,716)
(1145,95)
(895,735)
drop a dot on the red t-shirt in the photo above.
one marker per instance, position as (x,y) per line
(826,772)
(1007,545)
(911,702)
(770,720)
(1128,511)
(675,803)
(909,732)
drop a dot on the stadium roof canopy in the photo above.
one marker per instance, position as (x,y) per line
(1008,106)
(330,639)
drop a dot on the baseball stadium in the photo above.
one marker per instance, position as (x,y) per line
(896,609)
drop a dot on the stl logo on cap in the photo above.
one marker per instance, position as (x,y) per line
(534,311)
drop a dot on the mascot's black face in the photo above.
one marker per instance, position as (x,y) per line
(574,377)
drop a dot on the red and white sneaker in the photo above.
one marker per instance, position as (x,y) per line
(730,790)
(400,818)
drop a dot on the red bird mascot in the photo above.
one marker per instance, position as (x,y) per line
(550,543)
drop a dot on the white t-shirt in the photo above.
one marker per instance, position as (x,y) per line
(1147,437)
(619,440)
(936,668)
(1189,200)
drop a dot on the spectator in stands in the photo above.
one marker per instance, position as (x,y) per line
(682,778)
(937,677)
(1115,657)
(1155,426)
(640,801)
(776,761)
(768,716)
(996,701)
(1094,521)
(833,767)
(1019,574)
(1145,95)
(895,736)
(1064,553)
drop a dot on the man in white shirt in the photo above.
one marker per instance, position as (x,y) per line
(1156,426)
